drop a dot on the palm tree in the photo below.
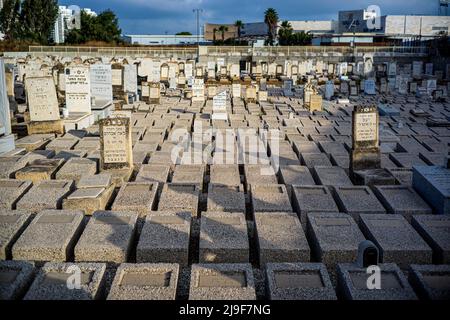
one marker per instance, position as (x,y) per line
(285,33)
(214,35)
(239,25)
(271,19)
(223,29)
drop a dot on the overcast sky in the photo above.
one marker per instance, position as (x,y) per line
(172,16)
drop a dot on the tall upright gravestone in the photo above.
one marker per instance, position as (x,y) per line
(6,138)
(43,106)
(115,143)
(365,157)
(365,152)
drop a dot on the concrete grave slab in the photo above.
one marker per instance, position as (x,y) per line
(11,191)
(145,281)
(179,196)
(299,281)
(12,224)
(40,169)
(331,176)
(357,200)
(226,281)
(15,278)
(108,237)
(308,199)
(165,238)
(435,230)
(75,168)
(50,236)
(138,197)
(280,238)
(153,173)
(352,283)
(397,241)
(431,282)
(191,174)
(89,200)
(226,198)
(51,282)
(270,197)
(259,174)
(225,174)
(334,238)
(46,194)
(223,238)
(433,184)
(402,200)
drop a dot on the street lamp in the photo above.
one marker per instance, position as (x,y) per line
(198,30)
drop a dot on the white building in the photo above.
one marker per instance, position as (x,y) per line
(157,40)
(64,21)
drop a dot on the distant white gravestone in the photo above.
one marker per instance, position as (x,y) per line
(78,89)
(101,82)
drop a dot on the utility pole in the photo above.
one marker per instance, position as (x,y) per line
(197,11)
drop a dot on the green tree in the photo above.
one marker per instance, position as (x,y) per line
(239,26)
(9,19)
(184,33)
(223,29)
(271,19)
(104,27)
(214,35)
(285,34)
(301,38)
(37,19)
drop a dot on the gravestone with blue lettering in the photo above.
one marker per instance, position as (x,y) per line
(369,86)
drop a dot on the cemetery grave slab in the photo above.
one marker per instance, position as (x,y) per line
(50,236)
(396,239)
(11,191)
(280,238)
(145,281)
(51,283)
(431,282)
(299,281)
(334,237)
(223,238)
(15,277)
(352,283)
(108,237)
(165,238)
(46,194)
(228,281)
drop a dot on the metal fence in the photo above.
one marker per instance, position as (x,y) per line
(227,50)
(112,51)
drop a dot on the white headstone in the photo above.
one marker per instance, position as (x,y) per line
(236,90)
(417,69)
(188,69)
(403,85)
(42,99)
(234,71)
(130,78)
(78,89)
(431,86)
(101,82)
(198,90)
(329,90)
